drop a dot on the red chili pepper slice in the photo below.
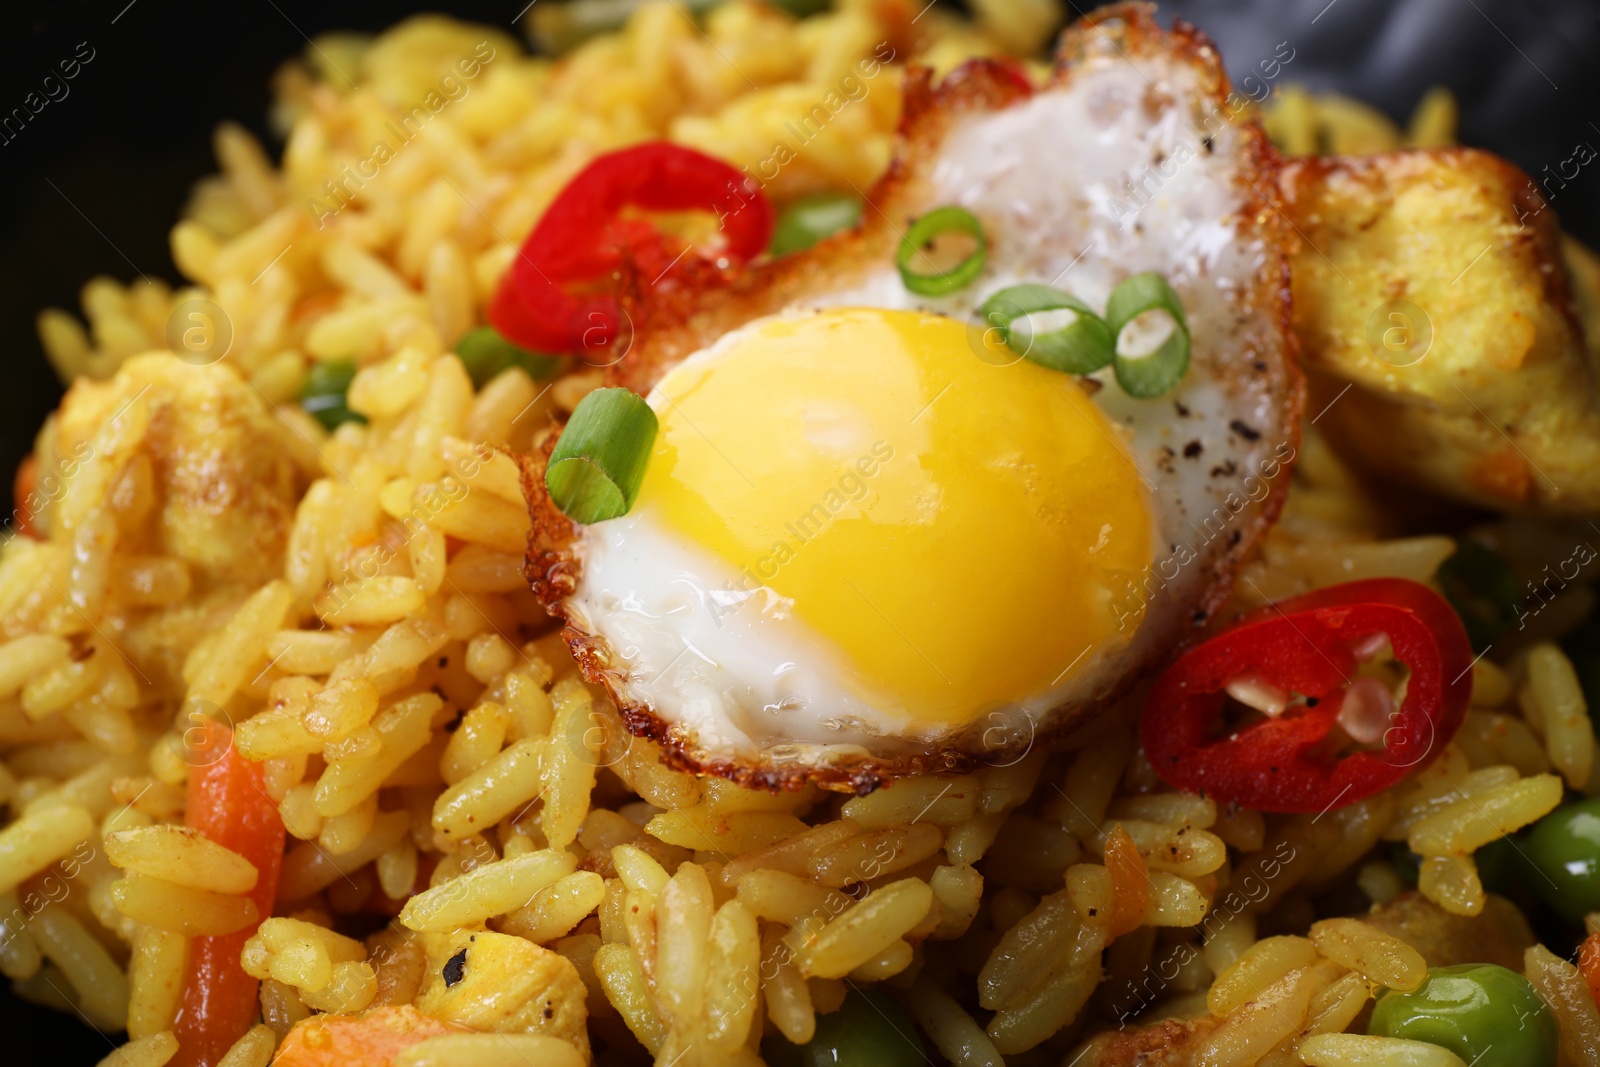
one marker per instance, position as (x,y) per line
(1304,646)
(556,297)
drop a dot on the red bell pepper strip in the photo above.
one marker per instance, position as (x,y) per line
(557,296)
(1304,646)
(228,803)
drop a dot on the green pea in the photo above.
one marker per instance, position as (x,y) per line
(868,1030)
(1483,589)
(1564,849)
(807,221)
(323,394)
(1487,1015)
(485,354)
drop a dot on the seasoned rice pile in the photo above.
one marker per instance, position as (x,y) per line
(471,833)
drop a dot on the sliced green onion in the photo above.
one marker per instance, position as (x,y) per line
(325,390)
(805,222)
(936,223)
(485,354)
(597,466)
(1081,347)
(1161,370)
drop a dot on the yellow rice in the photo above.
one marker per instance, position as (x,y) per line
(423,743)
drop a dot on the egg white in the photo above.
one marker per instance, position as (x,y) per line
(731,662)
(1118,167)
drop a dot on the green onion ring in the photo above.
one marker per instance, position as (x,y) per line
(1159,372)
(597,466)
(941,220)
(1082,347)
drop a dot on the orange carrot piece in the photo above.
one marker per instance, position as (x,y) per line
(1130,883)
(371,1039)
(228,803)
(1589,964)
(21,490)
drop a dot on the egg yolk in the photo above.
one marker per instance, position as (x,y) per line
(964,529)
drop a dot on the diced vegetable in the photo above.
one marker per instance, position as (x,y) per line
(325,393)
(485,354)
(1487,1015)
(1564,849)
(807,221)
(228,803)
(1589,965)
(369,1039)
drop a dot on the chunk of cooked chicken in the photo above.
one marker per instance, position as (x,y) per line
(1499,934)
(192,460)
(496,982)
(1168,1043)
(1433,283)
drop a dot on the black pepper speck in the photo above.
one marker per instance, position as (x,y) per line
(455,968)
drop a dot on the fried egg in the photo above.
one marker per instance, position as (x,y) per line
(871,540)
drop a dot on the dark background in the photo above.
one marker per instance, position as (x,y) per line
(94,181)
